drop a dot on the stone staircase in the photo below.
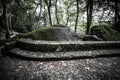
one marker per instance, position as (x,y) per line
(55,50)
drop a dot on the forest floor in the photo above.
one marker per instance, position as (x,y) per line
(107,68)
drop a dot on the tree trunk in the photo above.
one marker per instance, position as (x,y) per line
(10,25)
(67,17)
(117,16)
(89,15)
(5,20)
(67,20)
(116,8)
(49,12)
(48,3)
(56,12)
(40,9)
(76,22)
(44,16)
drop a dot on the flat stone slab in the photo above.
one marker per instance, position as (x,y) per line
(52,46)
(64,55)
(65,42)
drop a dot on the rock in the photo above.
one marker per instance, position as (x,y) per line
(59,49)
(52,34)
(116,26)
(97,30)
(105,32)
(91,38)
(59,25)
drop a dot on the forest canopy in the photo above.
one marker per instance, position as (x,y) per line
(79,15)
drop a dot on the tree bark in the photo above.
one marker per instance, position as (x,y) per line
(116,11)
(5,20)
(67,16)
(49,12)
(76,22)
(89,14)
(48,3)
(44,17)
(56,12)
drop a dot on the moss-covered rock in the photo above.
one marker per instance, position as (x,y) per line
(116,26)
(105,32)
(91,38)
(59,25)
(50,34)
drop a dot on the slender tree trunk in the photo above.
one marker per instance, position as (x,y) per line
(116,6)
(89,15)
(117,16)
(49,13)
(76,22)
(88,24)
(56,12)
(5,20)
(40,9)
(67,21)
(9,22)
(44,16)
(67,17)
(48,3)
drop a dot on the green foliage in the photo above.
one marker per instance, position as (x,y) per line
(27,15)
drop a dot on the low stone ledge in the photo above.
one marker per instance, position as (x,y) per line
(64,55)
(58,46)
(10,45)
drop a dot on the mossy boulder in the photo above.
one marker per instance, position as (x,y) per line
(50,34)
(105,32)
(116,26)
(91,38)
(59,25)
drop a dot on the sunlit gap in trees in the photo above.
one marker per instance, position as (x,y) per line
(64,12)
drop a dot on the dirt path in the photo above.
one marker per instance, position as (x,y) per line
(81,69)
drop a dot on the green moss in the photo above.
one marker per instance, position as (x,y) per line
(59,25)
(47,33)
(106,33)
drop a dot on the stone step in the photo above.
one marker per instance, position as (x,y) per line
(58,46)
(63,55)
